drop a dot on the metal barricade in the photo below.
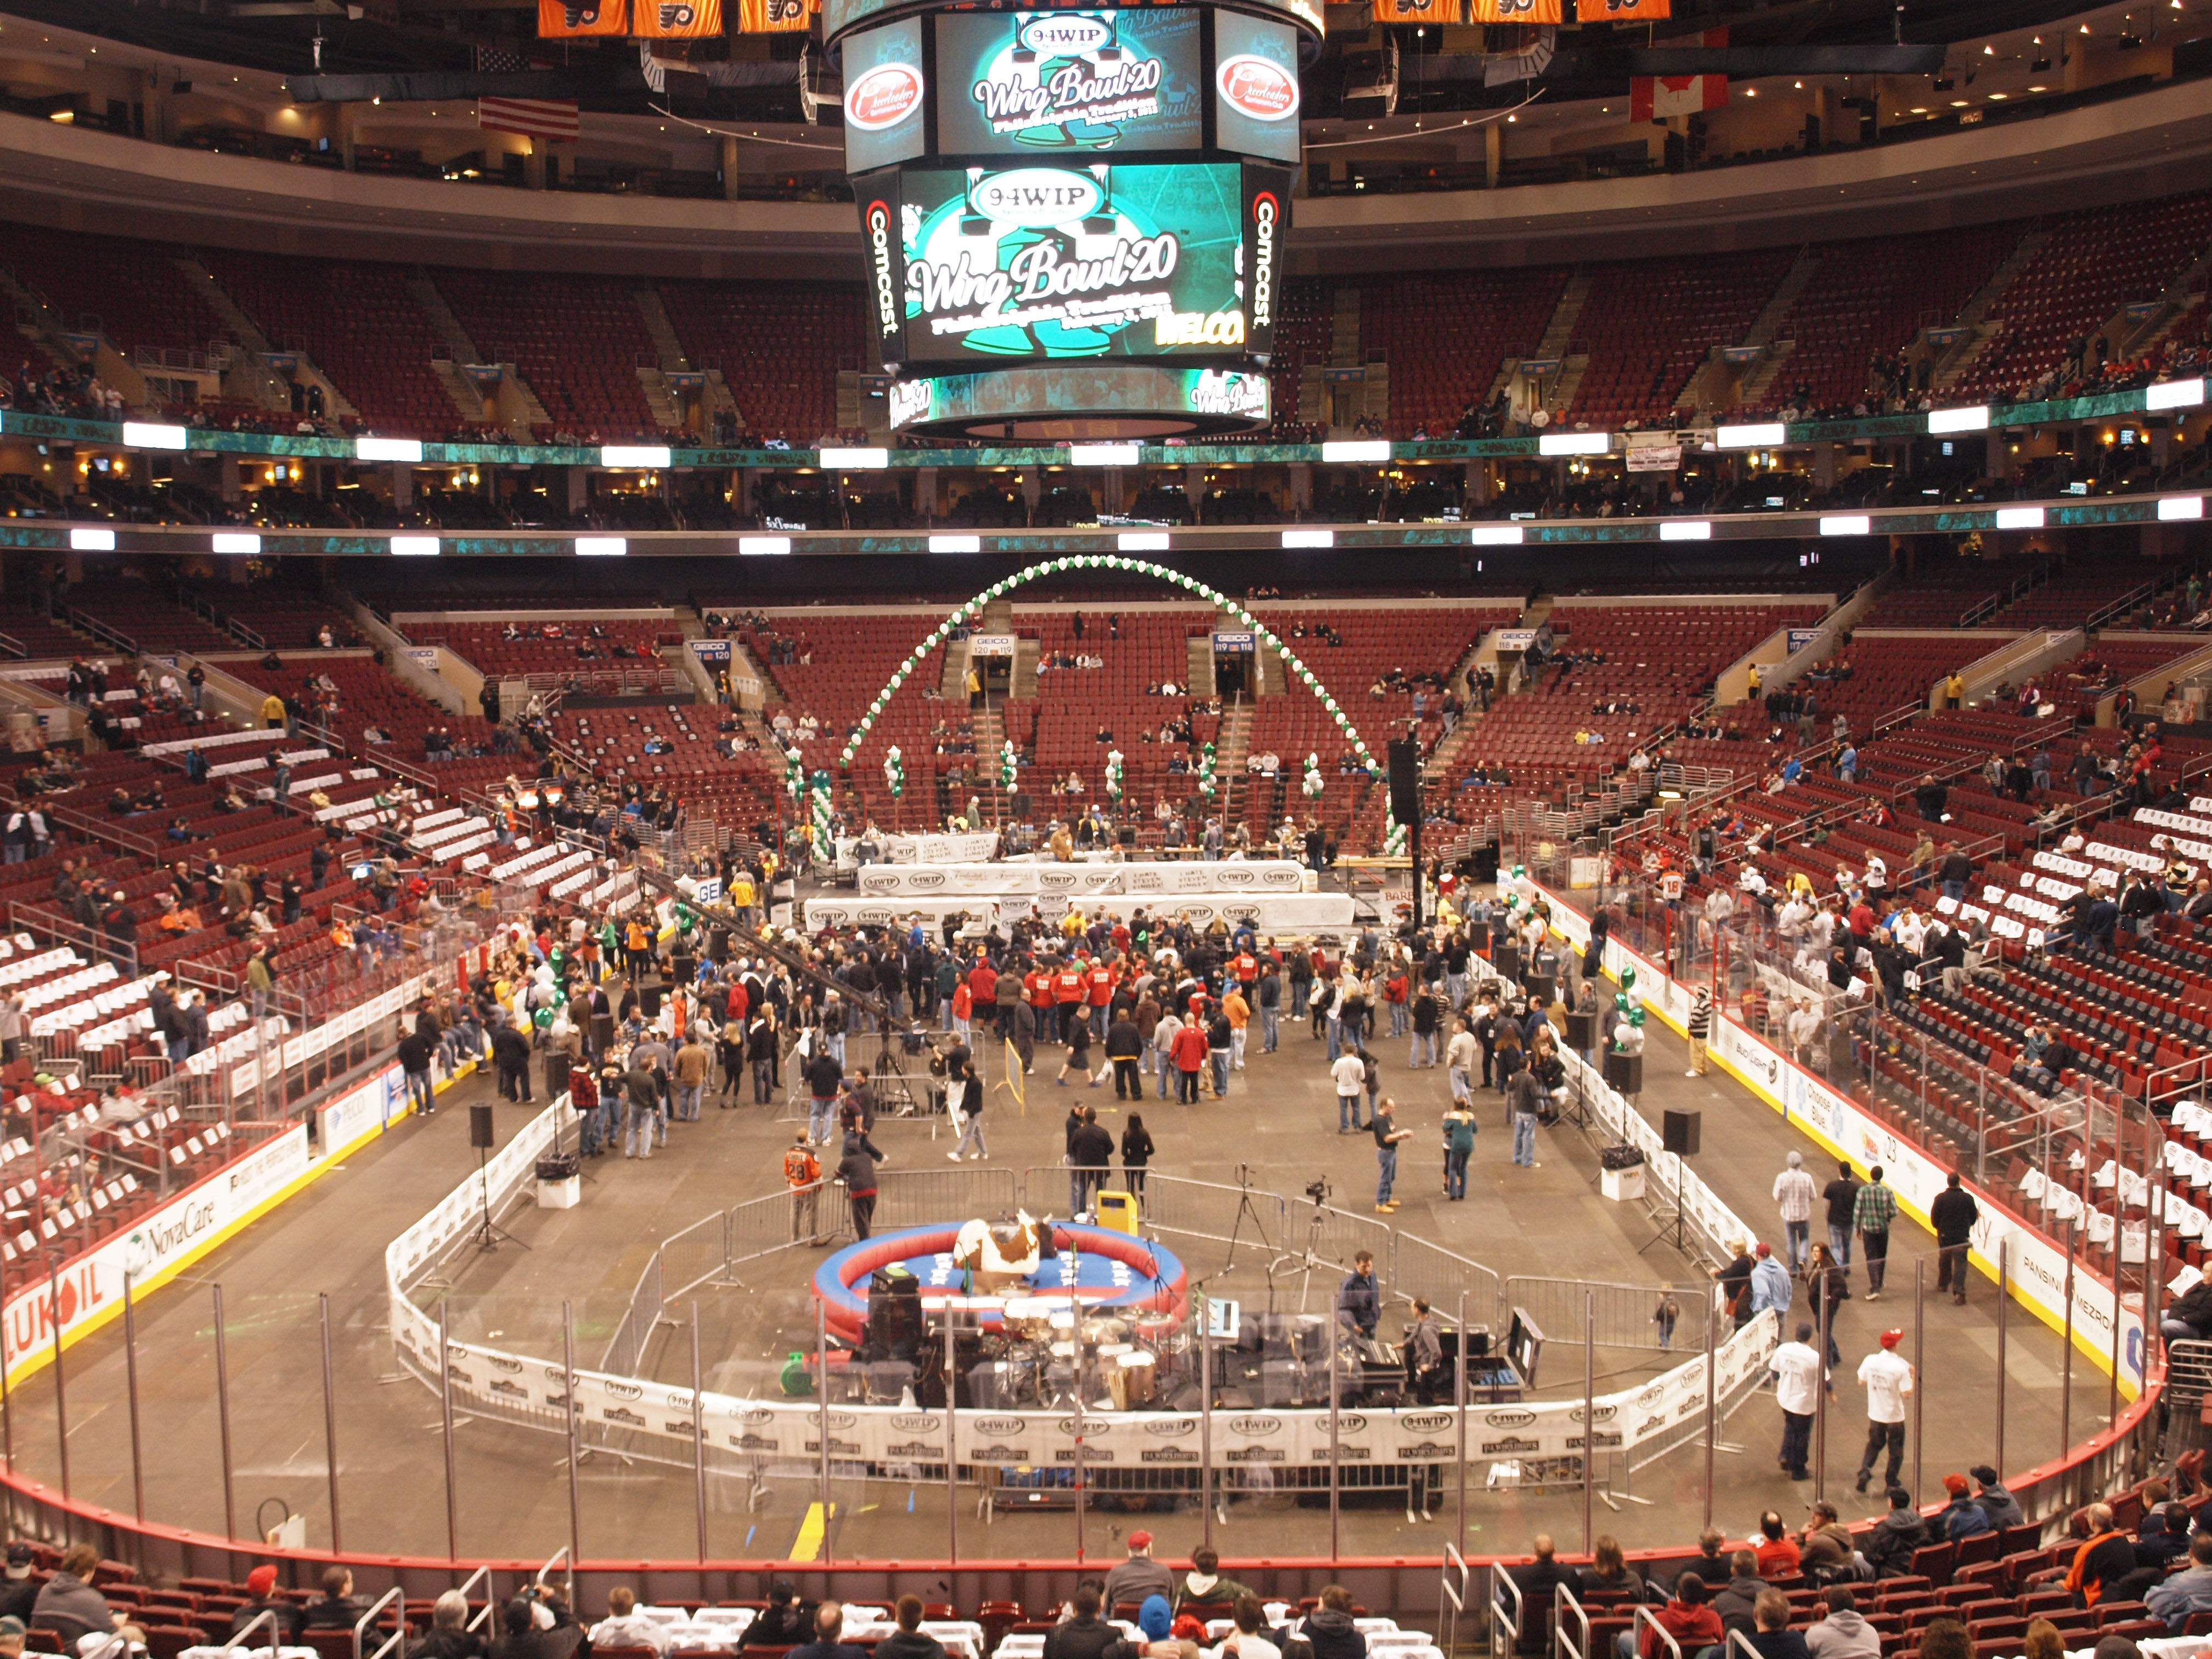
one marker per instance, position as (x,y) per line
(912,1198)
(1418,1268)
(625,1351)
(699,1253)
(1626,1313)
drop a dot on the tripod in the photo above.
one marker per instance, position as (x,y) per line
(489,1235)
(1303,1263)
(1246,1211)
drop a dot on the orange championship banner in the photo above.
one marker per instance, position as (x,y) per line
(1623,11)
(676,20)
(1520,11)
(773,16)
(1419,11)
(561,20)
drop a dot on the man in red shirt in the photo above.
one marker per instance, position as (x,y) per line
(1244,968)
(1068,986)
(1189,1059)
(1038,983)
(983,990)
(1099,981)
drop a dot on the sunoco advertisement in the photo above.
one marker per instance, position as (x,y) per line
(1057,262)
(1043,83)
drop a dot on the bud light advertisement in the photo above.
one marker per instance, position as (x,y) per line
(1059,83)
(1074,261)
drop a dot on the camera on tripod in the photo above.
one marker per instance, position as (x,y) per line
(1318,1190)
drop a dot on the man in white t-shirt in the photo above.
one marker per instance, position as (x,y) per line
(1351,1075)
(1887,1379)
(1798,1375)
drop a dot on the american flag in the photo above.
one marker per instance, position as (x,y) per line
(537,117)
(503,60)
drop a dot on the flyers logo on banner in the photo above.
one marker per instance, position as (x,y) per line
(1623,11)
(676,20)
(1418,11)
(772,16)
(563,19)
(1520,11)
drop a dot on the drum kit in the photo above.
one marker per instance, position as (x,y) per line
(1049,1356)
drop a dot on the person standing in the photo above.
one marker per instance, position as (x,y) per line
(1887,1378)
(1124,1047)
(1872,1212)
(1798,1377)
(1794,1194)
(964,1095)
(1090,1154)
(1079,1054)
(1220,1044)
(1384,1126)
(856,1167)
(1842,1196)
(802,1174)
(641,1089)
(1459,1058)
(1700,1027)
(1136,1153)
(1459,1146)
(1358,1299)
(1351,1078)
(1524,1099)
(693,1063)
(1425,1019)
(1953,1214)
(1236,1013)
(1267,996)
(1190,1052)
(825,1075)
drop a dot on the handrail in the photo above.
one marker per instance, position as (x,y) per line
(1564,1602)
(481,1575)
(86,824)
(13,647)
(1451,1602)
(100,631)
(557,1558)
(385,1600)
(1738,1643)
(1643,1616)
(266,1616)
(1499,1619)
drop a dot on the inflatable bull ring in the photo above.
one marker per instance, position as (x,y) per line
(1096,1268)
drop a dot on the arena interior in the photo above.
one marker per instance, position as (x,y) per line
(1065,834)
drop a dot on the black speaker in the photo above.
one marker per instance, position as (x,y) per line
(1678,1131)
(1582,1031)
(480,1131)
(1624,1073)
(1405,780)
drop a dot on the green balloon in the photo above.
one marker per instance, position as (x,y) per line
(1620,1000)
(1636,1017)
(1628,979)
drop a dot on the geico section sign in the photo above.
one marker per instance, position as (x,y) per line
(89,1289)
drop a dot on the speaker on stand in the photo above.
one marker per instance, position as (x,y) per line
(1680,1132)
(489,1235)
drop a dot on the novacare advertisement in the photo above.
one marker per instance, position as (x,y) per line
(1061,262)
(2037,1265)
(90,1290)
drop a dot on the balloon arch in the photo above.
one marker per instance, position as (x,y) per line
(1244,618)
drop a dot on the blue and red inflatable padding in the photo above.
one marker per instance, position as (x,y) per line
(1112,1273)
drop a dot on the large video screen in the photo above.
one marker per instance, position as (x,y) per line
(884,100)
(1256,86)
(1064,262)
(1067,83)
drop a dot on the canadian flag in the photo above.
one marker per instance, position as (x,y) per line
(1655,97)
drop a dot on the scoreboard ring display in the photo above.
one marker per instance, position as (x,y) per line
(1074,219)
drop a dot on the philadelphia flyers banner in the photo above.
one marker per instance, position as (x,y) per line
(561,20)
(676,20)
(1623,11)
(1418,11)
(772,16)
(1520,11)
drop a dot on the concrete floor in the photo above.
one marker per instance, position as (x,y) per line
(1279,1119)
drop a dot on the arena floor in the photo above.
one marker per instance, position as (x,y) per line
(1279,1119)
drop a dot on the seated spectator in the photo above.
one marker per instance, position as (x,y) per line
(1084,1636)
(69,1607)
(908,1642)
(1608,1571)
(262,1583)
(624,1627)
(2043,1641)
(1962,1517)
(1249,1640)
(2180,1595)
(1827,1548)
(18,1593)
(1735,1600)
(337,1607)
(2164,1537)
(1770,1634)
(787,1619)
(1686,1618)
(1329,1630)
(1889,1545)
(2105,1558)
(1203,1582)
(1947,1638)
(1776,1551)
(1841,1633)
(449,1636)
